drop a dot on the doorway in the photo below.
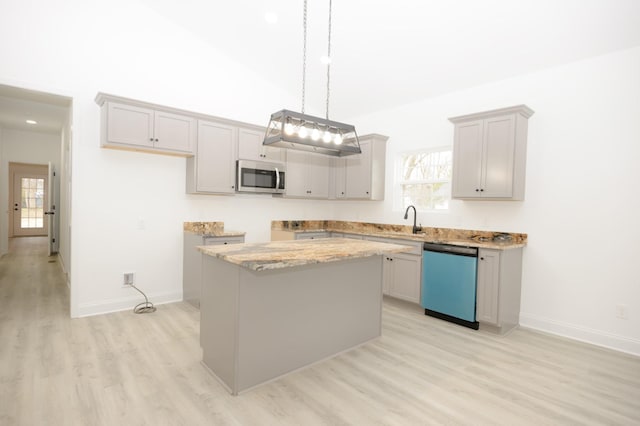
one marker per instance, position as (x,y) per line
(29,197)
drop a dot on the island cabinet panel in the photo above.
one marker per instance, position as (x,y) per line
(489,154)
(213,168)
(135,127)
(259,325)
(499,289)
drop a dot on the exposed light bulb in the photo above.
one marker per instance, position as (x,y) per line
(303,132)
(338,139)
(327,137)
(31,122)
(315,134)
(289,129)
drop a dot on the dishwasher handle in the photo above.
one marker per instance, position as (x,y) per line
(451,249)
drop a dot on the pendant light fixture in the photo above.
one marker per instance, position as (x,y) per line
(300,131)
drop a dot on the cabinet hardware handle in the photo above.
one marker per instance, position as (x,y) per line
(482,258)
(482,190)
(156,139)
(151,139)
(477,190)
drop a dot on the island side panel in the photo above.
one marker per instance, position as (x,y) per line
(219,319)
(290,318)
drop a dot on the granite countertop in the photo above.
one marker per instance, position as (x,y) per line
(287,254)
(459,237)
(210,229)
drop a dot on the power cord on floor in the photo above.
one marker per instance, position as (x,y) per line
(145,307)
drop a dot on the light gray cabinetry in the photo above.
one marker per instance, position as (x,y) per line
(192,263)
(140,127)
(250,146)
(489,154)
(361,176)
(343,235)
(307,175)
(402,272)
(498,288)
(212,169)
(311,235)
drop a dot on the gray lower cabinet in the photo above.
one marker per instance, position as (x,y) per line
(192,263)
(402,272)
(498,288)
(311,235)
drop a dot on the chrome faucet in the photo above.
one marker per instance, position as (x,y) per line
(406,215)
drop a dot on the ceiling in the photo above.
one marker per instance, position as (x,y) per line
(18,105)
(384,53)
(387,53)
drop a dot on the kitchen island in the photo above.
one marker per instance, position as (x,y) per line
(271,308)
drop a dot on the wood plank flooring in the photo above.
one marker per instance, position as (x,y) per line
(128,369)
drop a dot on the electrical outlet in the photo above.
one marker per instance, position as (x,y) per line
(127,279)
(621,312)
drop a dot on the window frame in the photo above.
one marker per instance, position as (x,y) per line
(398,180)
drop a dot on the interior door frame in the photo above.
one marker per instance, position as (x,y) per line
(20,169)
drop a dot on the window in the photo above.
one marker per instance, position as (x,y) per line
(423,179)
(32,203)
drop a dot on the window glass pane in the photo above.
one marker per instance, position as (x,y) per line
(32,203)
(424,179)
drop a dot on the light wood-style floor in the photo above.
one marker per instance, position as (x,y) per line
(128,369)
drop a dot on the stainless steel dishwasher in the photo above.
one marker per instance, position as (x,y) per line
(449,283)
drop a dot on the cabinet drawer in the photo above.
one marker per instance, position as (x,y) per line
(215,241)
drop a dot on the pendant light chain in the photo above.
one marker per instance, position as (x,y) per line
(304,53)
(328,60)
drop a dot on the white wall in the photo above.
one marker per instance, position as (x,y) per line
(579,212)
(581,209)
(78,48)
(21,146)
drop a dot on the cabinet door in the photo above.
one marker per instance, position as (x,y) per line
(318,183)
(407,272)
(498,157)
(339,171)
(130,125)
(296,175)
(174,132)
(467,160)
(216,158)
(250,147)
(488,286)
(358,173)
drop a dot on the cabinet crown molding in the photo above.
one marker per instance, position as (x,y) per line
(523,110)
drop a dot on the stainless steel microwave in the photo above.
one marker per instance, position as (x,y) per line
(260,176)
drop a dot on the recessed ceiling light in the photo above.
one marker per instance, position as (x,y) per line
(32,122)
(271,17)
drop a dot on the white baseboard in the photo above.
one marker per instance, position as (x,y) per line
(125,303)
(583,334)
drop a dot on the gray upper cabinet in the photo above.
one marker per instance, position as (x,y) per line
(250,146)
(307,175)
(212,169)
(139,126)
(489,154)
(361,176)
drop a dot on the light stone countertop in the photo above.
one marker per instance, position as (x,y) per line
(287,254)
(458,237)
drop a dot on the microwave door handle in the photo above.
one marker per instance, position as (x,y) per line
(277,178)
